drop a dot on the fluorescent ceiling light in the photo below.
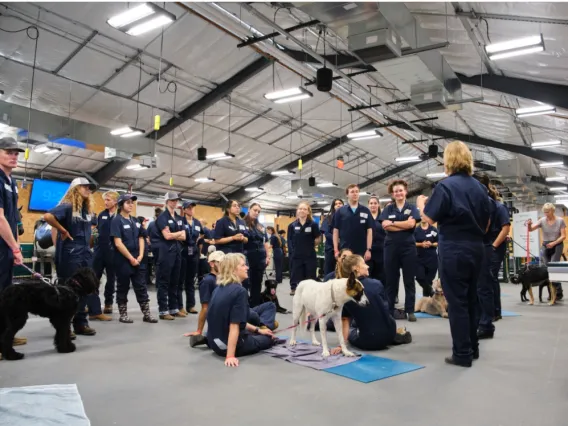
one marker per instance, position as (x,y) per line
(536,110)
(138,167)
(220,156)
(326,184)
(551,164)
(291,197)
(3,125)
(46,149)
(545,144)
(367,134)
(282,172)
(559,188)
(322,202)
(52,151)
(385,200)
(556,179)
(367,137)
(436,175)
(289,95)
(133,133)
(407,159)
(141,19)
(561,196)
(254,189)
(121,131)
(367,193)
(204,180)
(517,47)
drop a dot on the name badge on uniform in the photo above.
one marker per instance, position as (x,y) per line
(180,223)
(428,235)
(434,233)
(126,226)
(88,217)
(407,211)
(242,227)
(138,225)
(186,226)
(104,217)
(190,251)
(392,216)
(362,221)
(231,228)
(197,228)
(17,190)
(364,215)
(170,221)
(308,229)
(298,228)
(7,187)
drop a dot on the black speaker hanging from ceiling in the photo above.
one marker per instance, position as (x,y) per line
(201,153)
(312,181)
(324,76)
(433,151)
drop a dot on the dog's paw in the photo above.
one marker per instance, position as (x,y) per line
(444,315)
(13,356)
(349,353)
(316,343)
(292,343)
(325,353)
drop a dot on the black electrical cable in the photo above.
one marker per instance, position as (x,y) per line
(138,94)
(487,26)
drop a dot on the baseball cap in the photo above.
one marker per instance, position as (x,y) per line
(126,197)
(171,196)
(187,204)
(82,181)
(216,256)
(10,144)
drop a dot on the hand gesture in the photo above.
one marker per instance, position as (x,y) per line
(231,362)
(265,332)
(550,245)
(336,350)
(387,223)
(367,256)
(18,258)
(134,262)
(529,222)
(65,234)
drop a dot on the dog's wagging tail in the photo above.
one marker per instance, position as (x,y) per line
(58,303)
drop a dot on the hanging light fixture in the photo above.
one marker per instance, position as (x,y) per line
(436,175)
(46,149)
(536,110)
(288,95)
(365,134)
(407,159)
(282,172)
(545,144)
(254,189)
(327,185)
(141,19)
(551,164)
(204,180)
(556,179)
(517,47)
(126,132)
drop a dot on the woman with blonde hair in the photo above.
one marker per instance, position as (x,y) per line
(303,237)
(229,334)
(73,218)
(461,207)
(553,234)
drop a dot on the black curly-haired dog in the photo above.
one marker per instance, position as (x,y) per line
(269,295)
(59,303)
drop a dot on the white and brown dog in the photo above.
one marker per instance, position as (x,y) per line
(325,300)
(435,305)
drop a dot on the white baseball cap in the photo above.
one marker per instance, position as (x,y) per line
(216,256)
(82,181)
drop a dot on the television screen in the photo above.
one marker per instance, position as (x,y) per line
(46,194)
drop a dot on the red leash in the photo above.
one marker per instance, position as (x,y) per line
(297,325)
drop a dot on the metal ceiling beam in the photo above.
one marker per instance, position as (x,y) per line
(74,53)
(477,140)
(325,148)
(108,171)
(387,174)
(153,78)
(549,93)
(212,97)
(253,40)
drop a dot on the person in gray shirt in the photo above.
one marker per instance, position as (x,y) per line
(553,234)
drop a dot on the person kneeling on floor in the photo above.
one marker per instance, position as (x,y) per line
(229,333)
(376,328)
(262,316)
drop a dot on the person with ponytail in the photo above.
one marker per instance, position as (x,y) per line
(73,219)
(256,252)
(327,231)
(277,252)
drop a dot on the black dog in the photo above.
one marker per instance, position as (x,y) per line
(532,276)
(57,302)
(269,295)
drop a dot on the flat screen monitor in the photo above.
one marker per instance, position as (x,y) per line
(46,194)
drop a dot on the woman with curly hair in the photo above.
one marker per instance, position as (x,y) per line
(73,218)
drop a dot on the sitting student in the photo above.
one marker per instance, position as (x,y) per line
(343,253)
(263,315)
(229,334)
(376,328)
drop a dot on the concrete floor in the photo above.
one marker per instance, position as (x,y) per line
(146,374)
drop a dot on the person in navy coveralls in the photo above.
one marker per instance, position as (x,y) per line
(327,231)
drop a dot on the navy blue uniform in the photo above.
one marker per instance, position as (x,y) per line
(353,226)
(103,259)
(189,263)
(485,286)
(460,206)
(8,202)
(168,266)
(498,254)
(400,252)
(376,264)
(327,231)
(229,305)
(226,228)
(278,253)
(129,230)
(256,258)
(427,266)
(301,243)
(206,288)
(203,267)
(376,328)
(74,254)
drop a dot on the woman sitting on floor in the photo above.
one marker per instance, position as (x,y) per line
(375,327)
(229,334)
(333,274)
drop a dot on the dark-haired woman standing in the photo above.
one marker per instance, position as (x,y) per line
(256,251)
(376,264)
(327,231)
(276,244)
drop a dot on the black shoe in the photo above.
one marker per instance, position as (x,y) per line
(85,331)
(402,339)
(476,354)
(497,318)
(452,361)
(197,340)
(485,334)
(411,317)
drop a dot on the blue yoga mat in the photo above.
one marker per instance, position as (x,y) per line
(509,314)
(370,368)
(503,314)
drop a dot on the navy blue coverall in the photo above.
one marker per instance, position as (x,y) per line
(168,266)
(189,263)
(8,202)
(427,266)
(278,252)
(353,227)
(376,264)
(327,231)
(256,258)
(103,259)
(301,244)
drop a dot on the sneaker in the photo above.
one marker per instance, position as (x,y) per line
(85,331)
(100,317)
(197,340)
(107,309)
(411,317)
(167,317)
(19,341)
(453,361)
(180,314)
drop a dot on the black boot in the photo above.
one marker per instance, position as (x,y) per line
(145,308)
(124,314)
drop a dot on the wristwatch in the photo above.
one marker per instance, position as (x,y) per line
(256,330)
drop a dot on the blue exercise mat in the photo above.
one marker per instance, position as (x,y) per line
(370,368)
(509,314)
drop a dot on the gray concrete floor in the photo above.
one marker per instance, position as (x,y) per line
(146,374)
